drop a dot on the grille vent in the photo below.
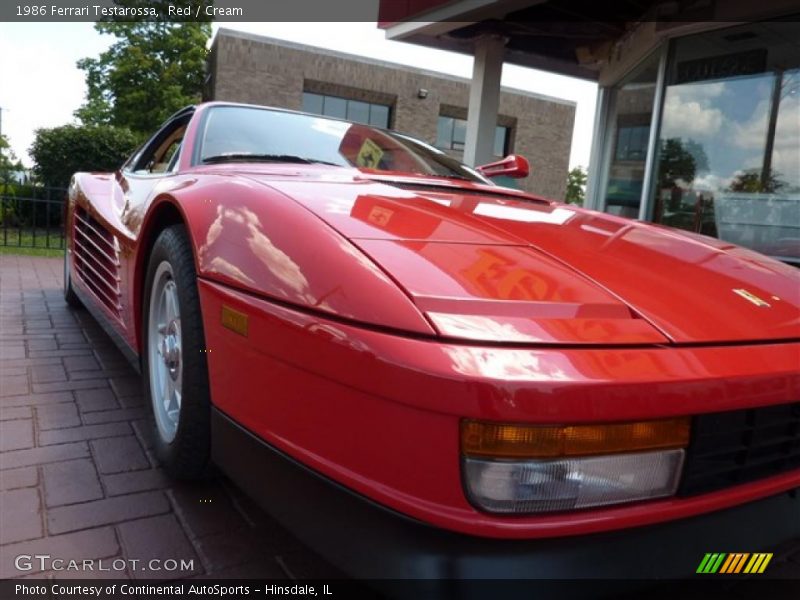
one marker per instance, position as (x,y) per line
(97,260)
(729,448)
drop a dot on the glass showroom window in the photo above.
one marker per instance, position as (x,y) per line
(451,133)
(729,146)
(632,143)
(630,134)
(368,113)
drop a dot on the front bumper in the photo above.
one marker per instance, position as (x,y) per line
(370,541)
(379,412)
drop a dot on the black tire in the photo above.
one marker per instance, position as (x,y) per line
(70,297)
(187,455)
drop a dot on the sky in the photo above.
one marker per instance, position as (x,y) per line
(729,120)
(40,86)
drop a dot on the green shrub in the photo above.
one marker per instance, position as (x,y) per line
(58,152)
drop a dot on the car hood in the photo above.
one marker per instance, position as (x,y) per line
(485,264)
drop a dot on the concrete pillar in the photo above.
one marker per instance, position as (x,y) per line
(484,99)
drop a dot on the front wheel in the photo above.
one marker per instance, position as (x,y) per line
(174,359)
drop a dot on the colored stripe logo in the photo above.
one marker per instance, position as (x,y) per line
(734,562)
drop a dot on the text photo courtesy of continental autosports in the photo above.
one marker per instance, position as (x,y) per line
(417,300)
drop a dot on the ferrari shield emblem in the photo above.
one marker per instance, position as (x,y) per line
(380,216)
(751,297)
(370,155)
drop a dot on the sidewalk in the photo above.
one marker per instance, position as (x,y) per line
(77,477)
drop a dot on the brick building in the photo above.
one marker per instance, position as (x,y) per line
(431,106)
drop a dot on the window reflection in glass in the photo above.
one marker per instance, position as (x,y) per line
(358,111)
(379,115)
(451,134)
(444,132)
(231,133)
(632,142)
(335,107)
(729,147)
(459,134)
(634,111)
(312,103)
(500,141)
(342,108)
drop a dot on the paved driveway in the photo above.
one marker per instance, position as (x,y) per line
(77,477)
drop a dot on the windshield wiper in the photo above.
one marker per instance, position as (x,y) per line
(253,157)
(461,177)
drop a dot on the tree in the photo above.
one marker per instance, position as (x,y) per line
(8,160)
(677,163)
(698,154)
(576,186)
(150,72)
(753,181)
(59,152)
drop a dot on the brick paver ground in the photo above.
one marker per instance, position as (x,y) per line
(78,479)
(77,476)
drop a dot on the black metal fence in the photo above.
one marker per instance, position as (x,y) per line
(31,216)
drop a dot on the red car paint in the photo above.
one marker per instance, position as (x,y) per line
(386,307)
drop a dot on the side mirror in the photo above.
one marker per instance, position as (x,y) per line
(514,165)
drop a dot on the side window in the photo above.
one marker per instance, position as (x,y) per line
(175,152)
(166,157)
(160,154)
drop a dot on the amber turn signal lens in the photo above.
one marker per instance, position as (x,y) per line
(499,440)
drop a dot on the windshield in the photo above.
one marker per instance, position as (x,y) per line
(242,134)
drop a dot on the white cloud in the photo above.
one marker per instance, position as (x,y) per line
(709,182)
(751,135)
(689,118)
(691,112)
(41,86)
(786,162)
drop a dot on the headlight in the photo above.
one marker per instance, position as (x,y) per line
(520,469)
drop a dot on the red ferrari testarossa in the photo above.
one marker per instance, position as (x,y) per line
(425,374)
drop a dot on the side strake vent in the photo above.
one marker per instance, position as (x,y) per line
(97,260)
